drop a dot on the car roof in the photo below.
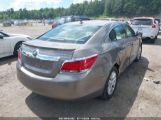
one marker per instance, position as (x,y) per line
(93,22)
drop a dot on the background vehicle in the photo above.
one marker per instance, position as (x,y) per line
(159,22)
(8,23)
(148,26)
(10,43)
(66,19)
(74,61)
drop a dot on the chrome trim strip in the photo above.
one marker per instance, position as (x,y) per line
(79,59)
(41,57)
(34,75)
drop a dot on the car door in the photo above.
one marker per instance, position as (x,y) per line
(118,38)
(4,45)
(133,40)
(1,46)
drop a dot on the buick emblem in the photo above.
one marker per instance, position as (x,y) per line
(35,52)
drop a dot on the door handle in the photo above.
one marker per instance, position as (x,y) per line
(128,44)
(122,47)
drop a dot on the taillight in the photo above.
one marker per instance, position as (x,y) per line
(53,26)
(79,65)
(19,56)
(153,26)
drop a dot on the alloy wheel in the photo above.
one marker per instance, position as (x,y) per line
(112,83)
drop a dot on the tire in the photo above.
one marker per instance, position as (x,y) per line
(156,37)
(109,90)
(138,57)
(17,46)
(153,40)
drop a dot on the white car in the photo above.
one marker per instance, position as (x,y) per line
(148,26)
(10,43)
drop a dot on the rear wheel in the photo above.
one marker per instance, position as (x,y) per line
(153,40)
(17,46)
(110,85)
(138,57)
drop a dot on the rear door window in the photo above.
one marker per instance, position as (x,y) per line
(129,31)
(113,35)
(1,35)
(117,33)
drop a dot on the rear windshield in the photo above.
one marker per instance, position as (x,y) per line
(141,22)
(68,33)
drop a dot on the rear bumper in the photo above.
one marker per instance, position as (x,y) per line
(148,36)
(64,86)
(149,33)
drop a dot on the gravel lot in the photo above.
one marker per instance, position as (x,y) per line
(138,93)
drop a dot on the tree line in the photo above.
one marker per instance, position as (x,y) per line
(94,8)
(132,7)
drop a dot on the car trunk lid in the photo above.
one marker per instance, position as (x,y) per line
(46,58)
(142,28)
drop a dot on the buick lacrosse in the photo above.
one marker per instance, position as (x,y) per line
(79,59)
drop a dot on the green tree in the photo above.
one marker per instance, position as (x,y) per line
(93,8)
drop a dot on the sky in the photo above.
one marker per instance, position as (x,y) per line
(36,4)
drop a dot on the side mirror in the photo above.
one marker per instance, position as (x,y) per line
(139,34)
(1,37)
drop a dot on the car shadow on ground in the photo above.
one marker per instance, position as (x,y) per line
(7,60)
(158,42)
(119,106)
(148,42)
